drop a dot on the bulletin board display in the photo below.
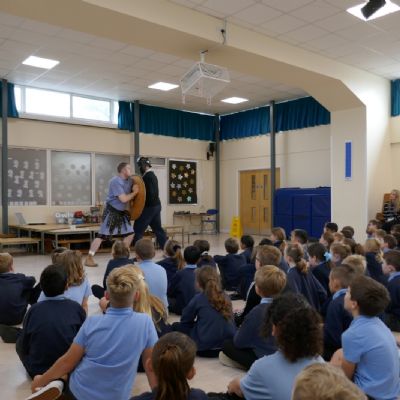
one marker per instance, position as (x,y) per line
(182,182)
(106,168)
(27,177)
(71,182)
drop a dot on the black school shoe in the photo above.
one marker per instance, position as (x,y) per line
(9,334)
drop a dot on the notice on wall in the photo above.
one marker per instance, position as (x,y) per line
(182,182)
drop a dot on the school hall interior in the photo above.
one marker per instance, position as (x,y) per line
(311,102)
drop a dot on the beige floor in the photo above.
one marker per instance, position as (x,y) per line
(14,382)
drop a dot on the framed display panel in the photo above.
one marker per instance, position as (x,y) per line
(106,168)
(70,178)
(27,177)
(182,182)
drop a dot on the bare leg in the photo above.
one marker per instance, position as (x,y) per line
(128,240)
(95,246)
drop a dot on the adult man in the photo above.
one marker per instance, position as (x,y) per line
(151,214)
(116,220)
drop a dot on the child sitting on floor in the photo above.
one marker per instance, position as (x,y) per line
(247,244)
(357,263)
(298,334)
(331,227)
(174,260)
(205,258)
(50,325)
(182,288)
(337,319)
(120,257)
(325,382)
(16,292)
(173,364)
(391,268)
(389,243)
(248,345)
(301,280)
(374,257)
(370,356)
(156,277)
(339,252)
(278,238)
(326,240)
(229,265)
(208,318)
(78,287)
(319,260)
(103,359)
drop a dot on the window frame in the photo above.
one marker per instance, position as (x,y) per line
(69,120)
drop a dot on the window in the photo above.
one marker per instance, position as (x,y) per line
(86,108)
(46,102)
(18,98)
(65,106)
(71,179)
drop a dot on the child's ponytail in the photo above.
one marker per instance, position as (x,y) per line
(209,281)
(173,358)
(296,253)
(174,250)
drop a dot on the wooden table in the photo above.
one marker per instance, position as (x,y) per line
(18,241)
(44,229)
(189,217)
(57,233)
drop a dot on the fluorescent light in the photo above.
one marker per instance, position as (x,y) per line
(39,62)
(388,8)
(234,100)
(164,86)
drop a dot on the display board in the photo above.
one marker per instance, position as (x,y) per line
(106,168)
(70,178)
(182,182)
(27,177)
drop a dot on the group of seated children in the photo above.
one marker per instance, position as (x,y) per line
(306,301)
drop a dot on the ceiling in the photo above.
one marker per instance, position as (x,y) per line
(106,68)
(321,26)
(97,66)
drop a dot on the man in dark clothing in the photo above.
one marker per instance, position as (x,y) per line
(151,215)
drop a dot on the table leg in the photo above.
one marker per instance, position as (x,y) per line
(42,242)
(56,240)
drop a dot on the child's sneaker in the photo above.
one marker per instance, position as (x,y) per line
(52,391)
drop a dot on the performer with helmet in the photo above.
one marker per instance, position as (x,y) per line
(116,218)
(151,215)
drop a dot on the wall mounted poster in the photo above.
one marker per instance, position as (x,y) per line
(182,182)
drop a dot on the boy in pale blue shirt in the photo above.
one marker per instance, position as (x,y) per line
(155,275)
(370,356)
(102,361)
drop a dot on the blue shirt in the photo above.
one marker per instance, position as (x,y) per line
(116,187)
(182,288)
(49,329)
(370,345)
(14,294)
(205,325)
(272,377)
(75,293)
(156,279)
(113,344)
(249,334)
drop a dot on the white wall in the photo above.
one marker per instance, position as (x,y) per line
(59,136)
(303,157)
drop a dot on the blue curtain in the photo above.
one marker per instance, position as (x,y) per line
(175,123)
(245,124)
(395,97)
(126,117)
(12,108)
(299,114)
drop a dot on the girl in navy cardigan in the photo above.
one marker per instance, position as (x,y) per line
(174,260)
(208,318)
(321,266)
(374,257)
(301,280)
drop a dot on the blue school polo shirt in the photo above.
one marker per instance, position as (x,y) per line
(116,187)
(113,344)
(156,279)
(370,344)
(76,293)
(272,377)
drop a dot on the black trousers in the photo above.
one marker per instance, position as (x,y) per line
(151,216)
(245,357)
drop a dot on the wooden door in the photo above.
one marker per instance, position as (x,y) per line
(255,201)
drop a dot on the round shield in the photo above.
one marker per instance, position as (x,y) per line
(136,205)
